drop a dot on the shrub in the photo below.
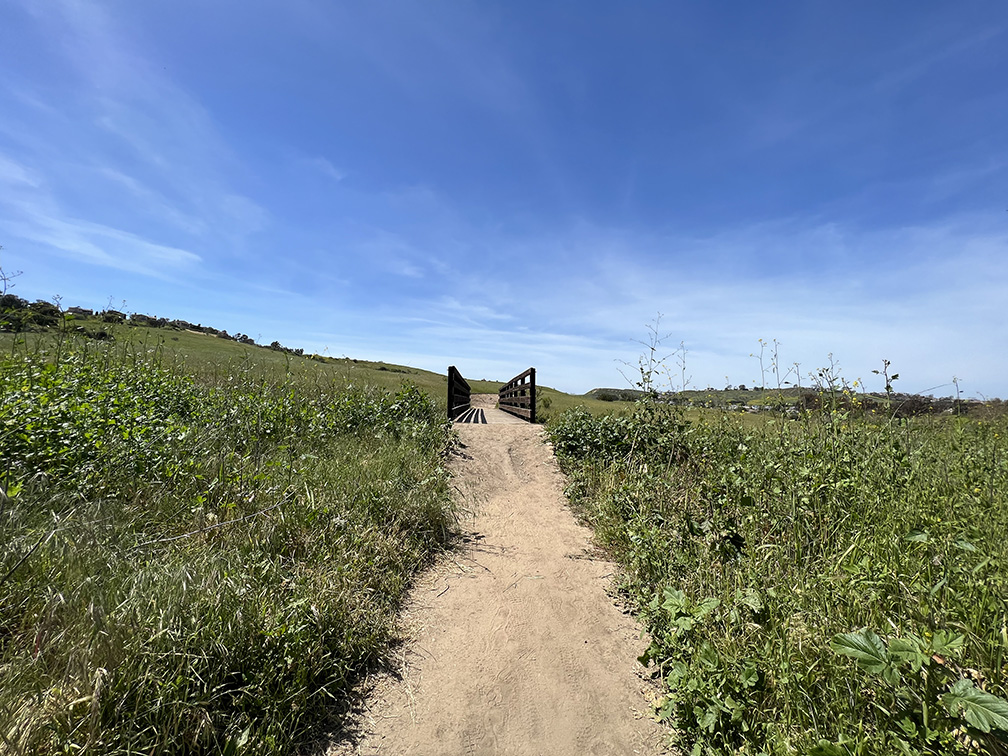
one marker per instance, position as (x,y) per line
(777,567)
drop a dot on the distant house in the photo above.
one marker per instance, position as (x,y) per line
(81,312)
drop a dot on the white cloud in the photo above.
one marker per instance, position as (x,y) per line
(132,171)
(154,202)
(13,173)
(426,52)
(103,245)
(326,168)
(926,297)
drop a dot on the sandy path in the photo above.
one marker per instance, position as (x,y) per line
(516,647)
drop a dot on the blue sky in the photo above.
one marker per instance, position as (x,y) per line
(498,185)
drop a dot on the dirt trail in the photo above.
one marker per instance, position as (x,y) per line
(516,647)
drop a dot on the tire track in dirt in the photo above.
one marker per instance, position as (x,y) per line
(515,646)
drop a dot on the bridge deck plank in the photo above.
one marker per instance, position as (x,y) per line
(486,404)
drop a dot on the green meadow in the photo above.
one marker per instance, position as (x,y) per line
(831,583)
(206,543)
(202,549)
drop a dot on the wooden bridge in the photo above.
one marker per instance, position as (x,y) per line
(515,402)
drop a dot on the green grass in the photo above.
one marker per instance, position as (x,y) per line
(203,541)
(210,358)
(552,403)
(208,355)
(700,397)
(200,551)
(833,584)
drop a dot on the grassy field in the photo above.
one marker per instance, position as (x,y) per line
(210,357)
(207,355)
(831,584)
(203,542)
(199,553)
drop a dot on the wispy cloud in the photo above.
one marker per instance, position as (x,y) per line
(13,173)
(326,168)
(154,202)
(467,184)
(922,296)
(426,51)
(155,182)
(915,58)
(29,211)
(105,246)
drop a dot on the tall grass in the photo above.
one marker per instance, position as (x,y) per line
(200,565)
(832,584)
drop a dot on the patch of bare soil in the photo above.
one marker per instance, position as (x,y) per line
(515,646)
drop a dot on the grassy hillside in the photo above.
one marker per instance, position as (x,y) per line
(201,543)
(206,354)
(210,357)
(713,397)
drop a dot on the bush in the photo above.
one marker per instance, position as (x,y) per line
(835,585)
(112,316)
(12,302)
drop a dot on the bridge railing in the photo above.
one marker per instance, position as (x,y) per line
(458,393)
(518,396)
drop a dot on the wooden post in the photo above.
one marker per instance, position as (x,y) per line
(451,390)
(517,396)
(532,395)
(458,393)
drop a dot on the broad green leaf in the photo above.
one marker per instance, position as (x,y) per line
(908,651)
(981,709)
(709,718)
(902,646)
(908,727)
(705,607)
(675,601)
(751,599)
(708,655)
(918,537)
(891,674)
(946,643)
(666,709)
(677,671)
(825,748)
(749,676)
(865,646)
(684,623)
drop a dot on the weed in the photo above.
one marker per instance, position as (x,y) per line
(199,563)
(833,583)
